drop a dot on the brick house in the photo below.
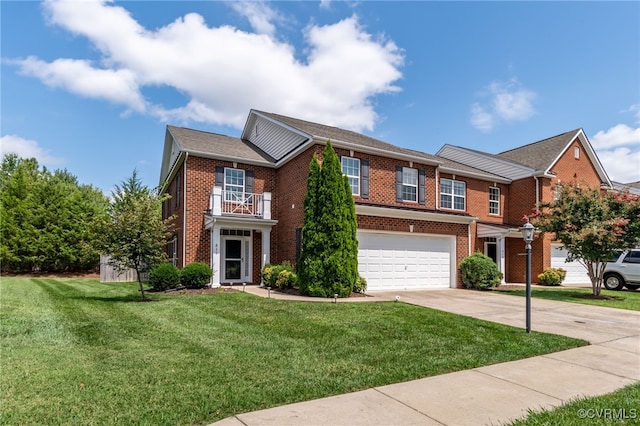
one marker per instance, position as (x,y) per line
(238,201)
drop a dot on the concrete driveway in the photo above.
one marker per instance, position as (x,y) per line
(494,394)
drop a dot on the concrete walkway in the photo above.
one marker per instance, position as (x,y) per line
(490,395)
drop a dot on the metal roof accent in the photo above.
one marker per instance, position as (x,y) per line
(486,162)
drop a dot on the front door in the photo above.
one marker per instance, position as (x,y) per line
(236,259)
(491,250)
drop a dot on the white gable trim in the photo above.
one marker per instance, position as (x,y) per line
(588,149)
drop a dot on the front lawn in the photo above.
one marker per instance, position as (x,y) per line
(625,299)
(621,407)
(75,351)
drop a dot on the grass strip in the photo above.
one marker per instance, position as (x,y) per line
(621,407)
(625,299)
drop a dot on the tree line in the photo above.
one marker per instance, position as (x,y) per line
(49,222)
(47,219)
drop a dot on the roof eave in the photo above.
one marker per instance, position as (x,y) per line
(375,151)
(457,172)
(413,214)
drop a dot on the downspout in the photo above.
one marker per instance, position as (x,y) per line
(184,209)
(537,192)
(437,186)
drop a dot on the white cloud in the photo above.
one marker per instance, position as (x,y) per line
(618,135)
(79,77)
(480,118)
(259,15)
(221,70)
(622,164)
(502,101)
(25,148)
(618,149)
(635,110)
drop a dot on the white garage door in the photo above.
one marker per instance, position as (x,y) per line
(576,272)
(405,261)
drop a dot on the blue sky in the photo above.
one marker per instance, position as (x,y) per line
(89,86)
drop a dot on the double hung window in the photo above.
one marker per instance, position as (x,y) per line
(234,185)
(452,194)
(351,169)
(494,200)
(409,184)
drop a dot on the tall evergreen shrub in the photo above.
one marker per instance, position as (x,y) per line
(329,260)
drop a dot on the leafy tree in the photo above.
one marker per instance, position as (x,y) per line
(134,235)
(592,225)
(329,261)
(47,219)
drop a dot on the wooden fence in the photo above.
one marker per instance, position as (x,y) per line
(109,274)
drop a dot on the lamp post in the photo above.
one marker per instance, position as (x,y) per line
(527,235)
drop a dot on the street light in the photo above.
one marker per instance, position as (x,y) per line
(527,234)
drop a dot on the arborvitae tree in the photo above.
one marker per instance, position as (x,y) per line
(330,265)
(309,263)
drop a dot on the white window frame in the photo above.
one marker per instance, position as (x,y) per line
(409,180)
(347,169)
(494,200)
(234,188)
(576,152)
(453,197)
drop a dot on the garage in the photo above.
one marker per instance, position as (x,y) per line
(392,261)
(576,272)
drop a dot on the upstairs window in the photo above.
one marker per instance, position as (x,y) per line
(452,194)
(234,185)
(557,192)
(351,169)
(409,184)
(576,152)
(494,200)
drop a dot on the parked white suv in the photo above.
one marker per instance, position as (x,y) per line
(623,271)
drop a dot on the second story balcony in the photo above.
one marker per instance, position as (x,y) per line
(243,204)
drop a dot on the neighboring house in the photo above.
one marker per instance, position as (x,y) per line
(239,201)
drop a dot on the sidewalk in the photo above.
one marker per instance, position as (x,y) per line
(489,395)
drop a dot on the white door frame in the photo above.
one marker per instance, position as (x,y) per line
(246,258)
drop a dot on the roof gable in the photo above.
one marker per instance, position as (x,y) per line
(340,137)
(543,155)
(180,140)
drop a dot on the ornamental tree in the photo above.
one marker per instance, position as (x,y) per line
(592,225)
(329,259)
(134,235)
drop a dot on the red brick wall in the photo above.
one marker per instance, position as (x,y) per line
(200,180)
(175,207)
(382,180)
(290,190)
(516,260)
(569,168)
(522,200)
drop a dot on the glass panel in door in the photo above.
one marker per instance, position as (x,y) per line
(232,259)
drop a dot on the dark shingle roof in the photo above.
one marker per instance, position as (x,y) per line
(338,134)
(542,154)
(196,141)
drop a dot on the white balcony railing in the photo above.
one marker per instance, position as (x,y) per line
(239,203)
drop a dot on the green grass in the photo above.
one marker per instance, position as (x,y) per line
(617,408)
(625,299)
(74,351)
